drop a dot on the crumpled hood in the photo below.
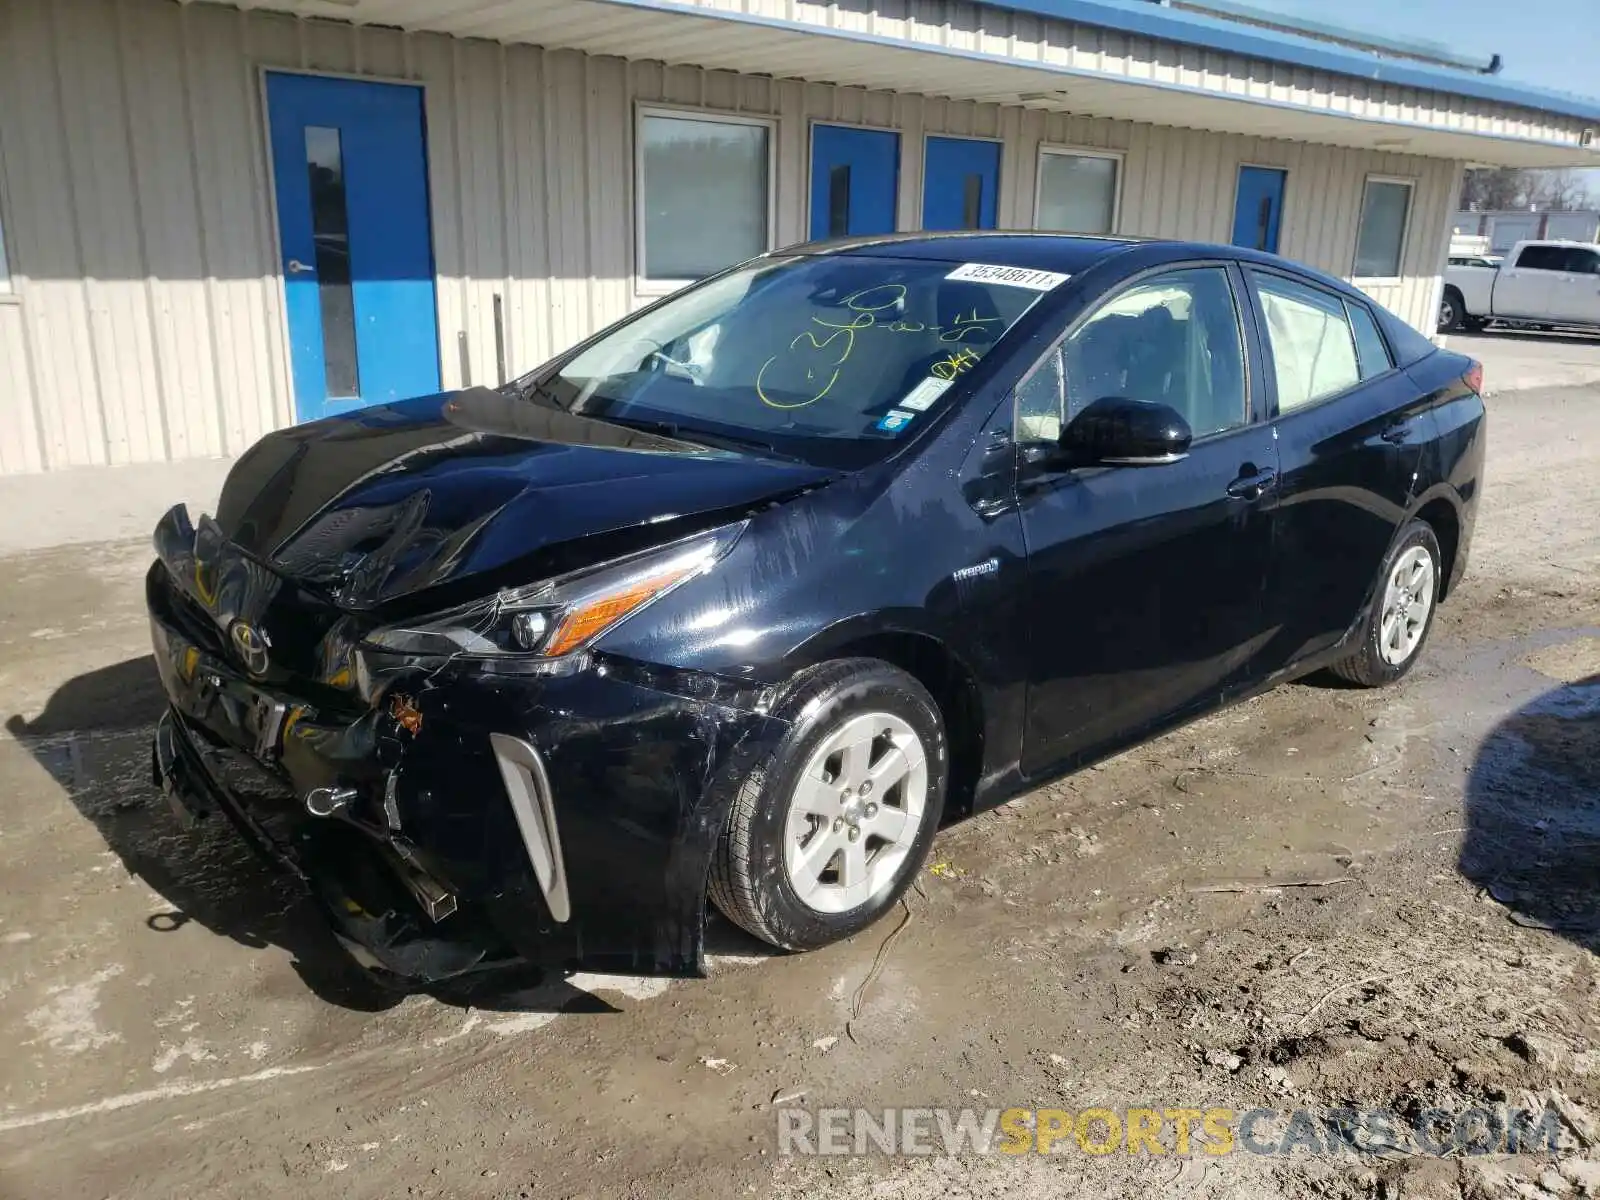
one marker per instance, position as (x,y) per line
(400,498)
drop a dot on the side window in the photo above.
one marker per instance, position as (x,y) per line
(1582,262)
(1542,258)
(1313,350)
(1172,338)
(1041,402)
(1372,353)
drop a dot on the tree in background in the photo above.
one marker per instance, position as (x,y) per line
(1498,188)
(1561,191)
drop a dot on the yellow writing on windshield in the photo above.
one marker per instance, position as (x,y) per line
(823,359)
(955,363)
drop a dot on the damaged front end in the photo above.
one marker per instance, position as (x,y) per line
(473,789)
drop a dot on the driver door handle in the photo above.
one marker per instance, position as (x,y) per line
(1254,485)
(296,267)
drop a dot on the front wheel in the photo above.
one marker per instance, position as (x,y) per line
(829,831)
(1401,614)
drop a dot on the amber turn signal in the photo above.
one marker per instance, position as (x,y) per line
(406,714)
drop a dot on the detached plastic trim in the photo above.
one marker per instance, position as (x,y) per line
(528,789)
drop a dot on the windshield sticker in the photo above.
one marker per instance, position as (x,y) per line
(921,397)
(1023,277)
(895,420)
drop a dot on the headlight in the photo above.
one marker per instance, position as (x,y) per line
(552,620)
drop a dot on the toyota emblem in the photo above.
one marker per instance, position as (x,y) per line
(252,646)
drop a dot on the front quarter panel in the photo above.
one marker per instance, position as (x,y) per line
(909,550)
(823,571)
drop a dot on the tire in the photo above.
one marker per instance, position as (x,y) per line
(1452,311)
(774,819)
(1386,650)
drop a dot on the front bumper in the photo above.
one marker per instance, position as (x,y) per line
(566,821)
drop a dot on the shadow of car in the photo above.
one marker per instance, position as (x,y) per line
(1533,813)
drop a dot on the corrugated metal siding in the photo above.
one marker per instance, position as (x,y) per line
(135,191)
(1006,35)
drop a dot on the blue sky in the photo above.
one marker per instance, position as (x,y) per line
(1553,43)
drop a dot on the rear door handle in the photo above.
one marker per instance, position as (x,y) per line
(1398,433)
(1254,485)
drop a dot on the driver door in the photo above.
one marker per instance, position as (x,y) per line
(1145,583)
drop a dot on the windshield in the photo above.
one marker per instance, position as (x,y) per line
(826,359)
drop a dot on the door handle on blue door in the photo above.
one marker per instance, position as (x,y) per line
(1253,484)
(1397,433)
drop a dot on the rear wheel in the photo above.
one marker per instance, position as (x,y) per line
(1401,614)
(1452,311)
(828,833)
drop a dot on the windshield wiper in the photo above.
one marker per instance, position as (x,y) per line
(543,395)
(681,433)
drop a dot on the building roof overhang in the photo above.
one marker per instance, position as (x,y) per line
(736,39)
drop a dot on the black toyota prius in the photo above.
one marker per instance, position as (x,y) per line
(741,598)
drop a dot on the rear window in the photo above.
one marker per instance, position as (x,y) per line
(1581,262)
(1371,350)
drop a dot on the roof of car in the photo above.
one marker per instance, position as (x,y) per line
(1068,252)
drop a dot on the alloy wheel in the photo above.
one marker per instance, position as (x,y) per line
(1407,601)
(855,813)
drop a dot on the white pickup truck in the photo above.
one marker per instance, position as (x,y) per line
(1538,283)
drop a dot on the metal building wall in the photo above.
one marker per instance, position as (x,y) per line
(147,320)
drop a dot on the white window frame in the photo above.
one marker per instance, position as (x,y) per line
(1117,156)
(1410,183)
(643,285)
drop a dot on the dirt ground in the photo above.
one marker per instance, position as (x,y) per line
(178,1022)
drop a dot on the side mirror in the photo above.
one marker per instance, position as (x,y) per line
(1118,432)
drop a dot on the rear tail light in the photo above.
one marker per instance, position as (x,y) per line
(1474,378)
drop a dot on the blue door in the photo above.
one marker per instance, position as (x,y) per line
(855,181)
(351,172)
(1258,208)
(960,183)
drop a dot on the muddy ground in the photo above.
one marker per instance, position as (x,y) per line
(177,1022)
